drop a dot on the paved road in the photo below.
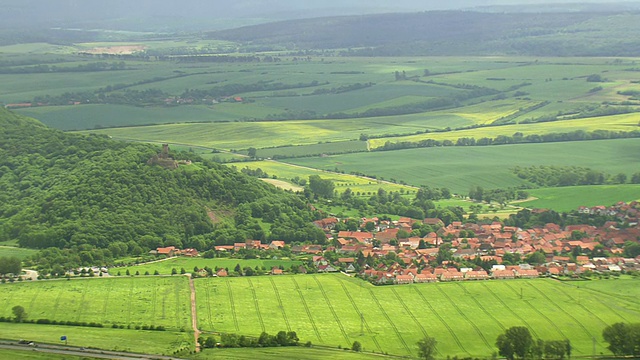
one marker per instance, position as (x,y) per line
(75,351)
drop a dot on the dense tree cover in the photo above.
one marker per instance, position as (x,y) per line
(44,68)
(623,338)
(427,348)
(93,199)
(501,196)
(517,343)
(552,176)
(10,265)
(540,33)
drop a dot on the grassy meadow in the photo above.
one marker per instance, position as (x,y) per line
(125,301)
(286,353)
(459,168)
(325,309)
(20,253)
(146,342)
(342,181)
(164,267)
(570,198)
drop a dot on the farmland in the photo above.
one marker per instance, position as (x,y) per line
(625,122)
(149,342)
(342,181)
(459,168)
(570,198)
(325,309)
(159,301)
(164,267)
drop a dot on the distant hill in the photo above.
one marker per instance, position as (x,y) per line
(102,199)
(456,33)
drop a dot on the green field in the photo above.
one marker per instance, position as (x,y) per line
(342,181)
(625,122)
(20,253)
(83,117)
(297,353)
(314,149)
(127,301)
(572,197)
(458,168)
(164,267)
(146,342)
(325,309)
(30,354)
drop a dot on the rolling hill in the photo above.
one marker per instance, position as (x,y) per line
(454,33)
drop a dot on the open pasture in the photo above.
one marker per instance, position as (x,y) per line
(342,181)
(159,301)
(146,342)
(570,198)
(285,353)
(458,168)
(164,267)
(12,251)
(325,309)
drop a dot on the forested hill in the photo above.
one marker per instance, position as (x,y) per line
(455,33)
(80,192)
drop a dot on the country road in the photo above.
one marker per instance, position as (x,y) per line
(194,314)
(76,351)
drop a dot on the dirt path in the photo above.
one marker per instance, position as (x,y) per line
(194,316)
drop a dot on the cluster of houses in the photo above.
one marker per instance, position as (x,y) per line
(572,250)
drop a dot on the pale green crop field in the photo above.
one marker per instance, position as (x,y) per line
(325,309)
(570,198)
(165,267)
(122,301)
(341,181)
(146,342)
(624,122)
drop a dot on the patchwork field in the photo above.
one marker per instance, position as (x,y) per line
(625,122)
(126,301)
(459,168)
(342,181)
(326,309)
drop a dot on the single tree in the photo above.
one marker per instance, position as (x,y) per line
(357,347)
(19,313)
(427,348)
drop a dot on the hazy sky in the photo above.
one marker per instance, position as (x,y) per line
(84,13)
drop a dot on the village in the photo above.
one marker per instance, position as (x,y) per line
(457,251)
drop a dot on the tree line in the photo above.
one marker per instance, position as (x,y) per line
(516,138)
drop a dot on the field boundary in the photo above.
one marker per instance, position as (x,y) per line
(510,309)
(451,332)
(233,307)
(464,316)
(393,325)
(333,311)
(355,307)
(553,324)
(306,308)
(284,315)
(256,305)
(561,309)
(482,307)
(406,308)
